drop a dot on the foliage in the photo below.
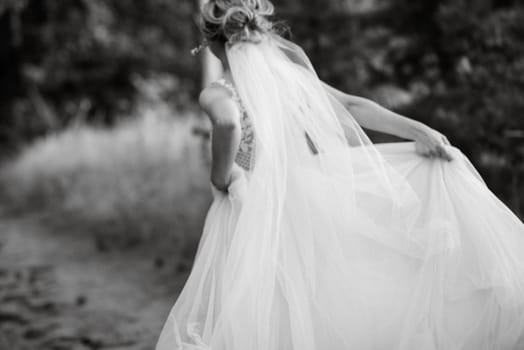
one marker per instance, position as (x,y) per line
(69,60)
(455,65)
(143,179)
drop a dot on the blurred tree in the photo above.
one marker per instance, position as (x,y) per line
(62,60)
(466,66)
(457,65)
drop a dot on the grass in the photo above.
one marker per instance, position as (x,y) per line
(141,180)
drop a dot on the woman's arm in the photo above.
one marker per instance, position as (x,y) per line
(371,115)
(225,136)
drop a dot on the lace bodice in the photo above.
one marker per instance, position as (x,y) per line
(246,150)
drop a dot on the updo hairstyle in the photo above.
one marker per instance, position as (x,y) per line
(232,21)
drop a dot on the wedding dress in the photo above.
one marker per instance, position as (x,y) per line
(328,242)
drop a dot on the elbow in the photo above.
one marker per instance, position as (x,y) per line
(365,103)
(226,125)
(357,102)
(361,105)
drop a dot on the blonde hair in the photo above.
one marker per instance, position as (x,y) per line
(232,21)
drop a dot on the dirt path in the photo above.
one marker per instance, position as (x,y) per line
(57,291)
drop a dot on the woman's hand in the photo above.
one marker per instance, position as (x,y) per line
(221,184)
(234,187)
(432,144)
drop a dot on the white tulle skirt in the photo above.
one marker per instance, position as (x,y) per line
(457,281)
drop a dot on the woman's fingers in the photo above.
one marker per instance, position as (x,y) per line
(427,151)
(443,153)
(436,151)
(434,146)
(445,140)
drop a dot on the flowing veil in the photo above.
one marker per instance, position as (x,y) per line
(302,130)
(280,255)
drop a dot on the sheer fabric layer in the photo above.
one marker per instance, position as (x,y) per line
(350,246)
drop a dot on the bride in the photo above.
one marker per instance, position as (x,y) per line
(319,240)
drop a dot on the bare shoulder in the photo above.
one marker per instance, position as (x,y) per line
(211,94)
(219,105)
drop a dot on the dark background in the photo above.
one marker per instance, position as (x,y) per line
(456,65)
(103,180)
